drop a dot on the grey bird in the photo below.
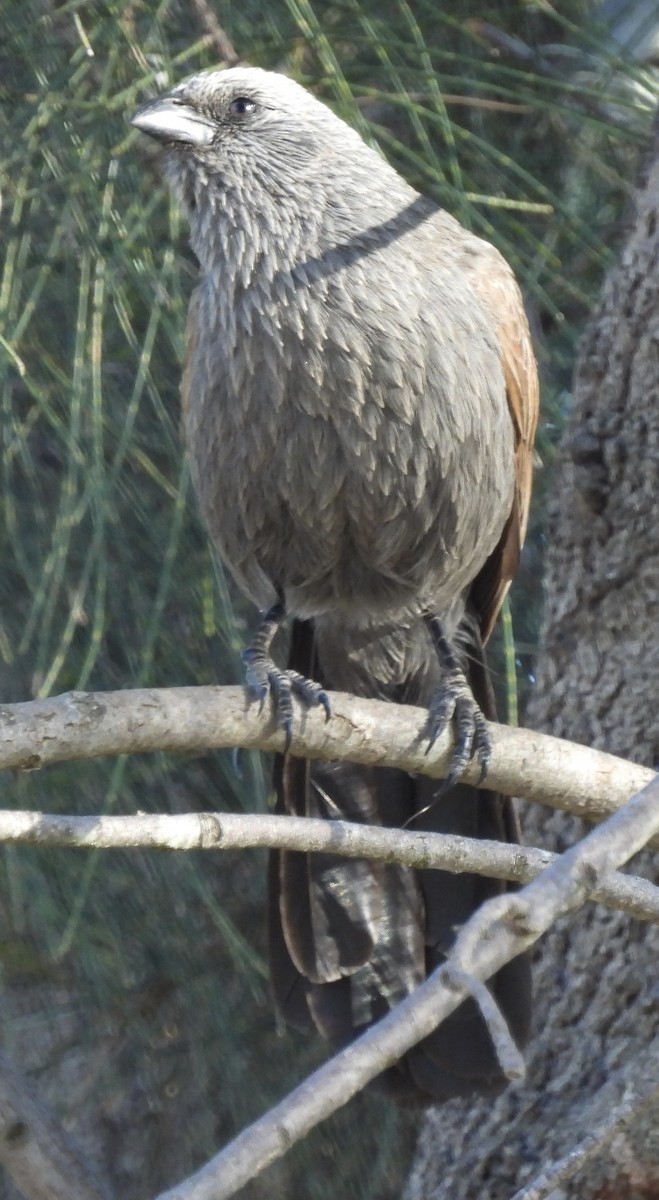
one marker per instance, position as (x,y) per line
(360,400)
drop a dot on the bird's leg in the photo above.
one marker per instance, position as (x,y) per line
(454,699)
(263,676)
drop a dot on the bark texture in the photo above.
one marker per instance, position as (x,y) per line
(597,997)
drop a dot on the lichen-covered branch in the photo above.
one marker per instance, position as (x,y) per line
(76,725)
(238,831)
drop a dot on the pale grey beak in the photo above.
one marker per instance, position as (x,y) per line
(171,120)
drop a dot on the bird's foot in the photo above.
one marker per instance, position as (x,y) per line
(264,678)
(454,700)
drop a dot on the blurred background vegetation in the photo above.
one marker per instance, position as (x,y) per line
(134,985)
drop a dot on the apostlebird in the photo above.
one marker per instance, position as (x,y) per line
(360,399)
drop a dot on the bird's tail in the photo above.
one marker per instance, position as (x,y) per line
(350,938)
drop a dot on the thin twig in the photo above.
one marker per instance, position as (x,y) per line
(499,931)
(511,1060)
(220,41)
(236,831)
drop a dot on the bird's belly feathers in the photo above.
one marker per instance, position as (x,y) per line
(337,523)
(350,470)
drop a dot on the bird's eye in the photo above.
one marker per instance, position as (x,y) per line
(242,106)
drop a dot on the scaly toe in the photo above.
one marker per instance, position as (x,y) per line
(263,678)
(455,700)
(257,674)
(282,692)
(482,743)
(312,693)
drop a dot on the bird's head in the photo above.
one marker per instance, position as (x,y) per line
(244,129)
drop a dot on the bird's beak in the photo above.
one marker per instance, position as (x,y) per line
(171,120)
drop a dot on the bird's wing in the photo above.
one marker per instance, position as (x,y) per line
(494,283)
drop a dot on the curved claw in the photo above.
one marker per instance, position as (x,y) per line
(439,715)
(264,678)
(309,691)
(482,744)
(454,700)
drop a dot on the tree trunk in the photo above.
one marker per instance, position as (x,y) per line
(597,999)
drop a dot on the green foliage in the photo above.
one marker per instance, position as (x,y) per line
(528,128)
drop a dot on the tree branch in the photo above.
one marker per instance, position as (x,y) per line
(588,783)
(500,930)
(238,831)
(581,780)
